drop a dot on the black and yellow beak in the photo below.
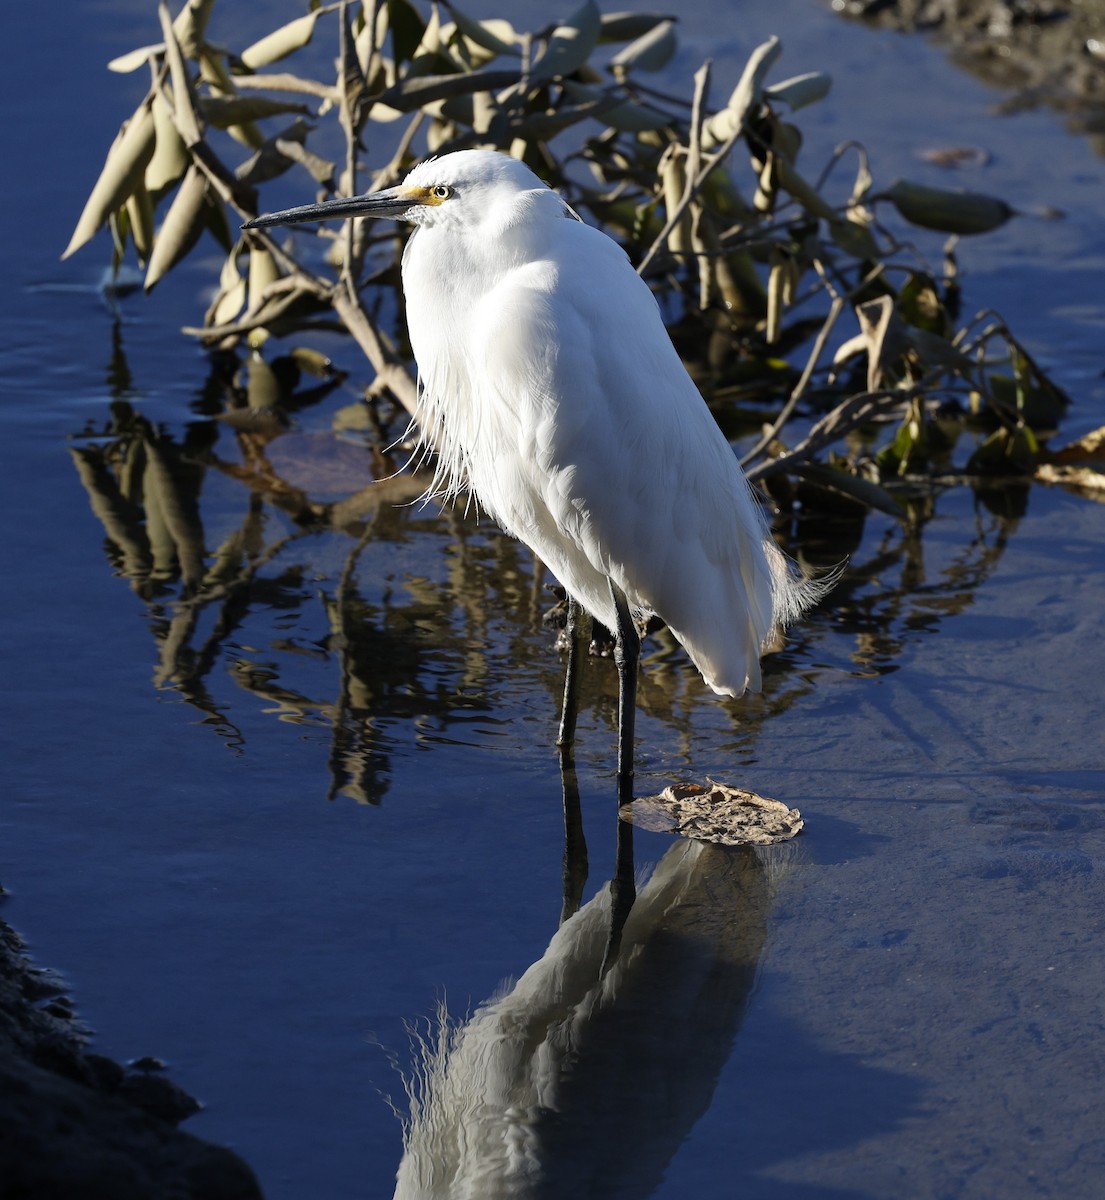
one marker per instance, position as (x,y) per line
(392,202)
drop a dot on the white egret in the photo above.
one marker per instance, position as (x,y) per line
(549,387)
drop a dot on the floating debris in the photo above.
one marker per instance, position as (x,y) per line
(718,813)
(955,156)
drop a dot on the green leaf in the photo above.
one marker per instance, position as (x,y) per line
(855,487)
(947,211)
(1006,452)
(407,28)
(920,305)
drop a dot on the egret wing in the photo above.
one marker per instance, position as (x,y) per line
(605,459)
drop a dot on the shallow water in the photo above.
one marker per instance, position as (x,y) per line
(904,1001)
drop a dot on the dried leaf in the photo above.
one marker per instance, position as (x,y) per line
(719,813)
(862,185)
(320,169)
(776,285)
(281,42)
(431,48)
(625,115)
(955,156)
(652,51)
(184,107)
(190,26)
(571,44)
(673,178)
(126,63)
(263,272)
(805,193)
(355,102)
(121,176)
(226,111)
(495,36)
(1083,480)
(170,157)
(231,296)
(625,26)
(919,303)
(140,213)
(1089,448)
(884,335)
(284,82)
(411,94)
(801,90)
(314,362)
(747,95)
(181,229)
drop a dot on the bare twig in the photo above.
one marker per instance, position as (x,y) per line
(799,390)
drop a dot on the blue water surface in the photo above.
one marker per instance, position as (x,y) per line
(903,1002)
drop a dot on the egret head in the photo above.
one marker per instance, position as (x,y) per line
(463,188)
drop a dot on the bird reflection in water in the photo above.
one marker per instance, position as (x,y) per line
(584,1076)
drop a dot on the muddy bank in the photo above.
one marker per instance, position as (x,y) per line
(1039,51)
(75,1123)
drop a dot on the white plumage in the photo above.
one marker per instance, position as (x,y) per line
(550,387)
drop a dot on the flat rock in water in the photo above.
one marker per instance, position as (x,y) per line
(717,813)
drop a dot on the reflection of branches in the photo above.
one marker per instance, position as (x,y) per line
(409,644)
(881,615)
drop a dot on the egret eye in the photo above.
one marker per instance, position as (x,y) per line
(441,191)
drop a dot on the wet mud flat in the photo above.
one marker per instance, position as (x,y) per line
(1047,52)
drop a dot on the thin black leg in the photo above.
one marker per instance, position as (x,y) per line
(623,892)
(575,844)
(574,627)
(627,654)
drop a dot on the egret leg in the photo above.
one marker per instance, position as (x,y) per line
(574,627)
(623,892)
(575,844)
(627,654)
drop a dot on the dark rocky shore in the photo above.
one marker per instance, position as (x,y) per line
(76,1124)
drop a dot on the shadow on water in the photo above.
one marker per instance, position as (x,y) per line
(585,1075)
(309,601)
